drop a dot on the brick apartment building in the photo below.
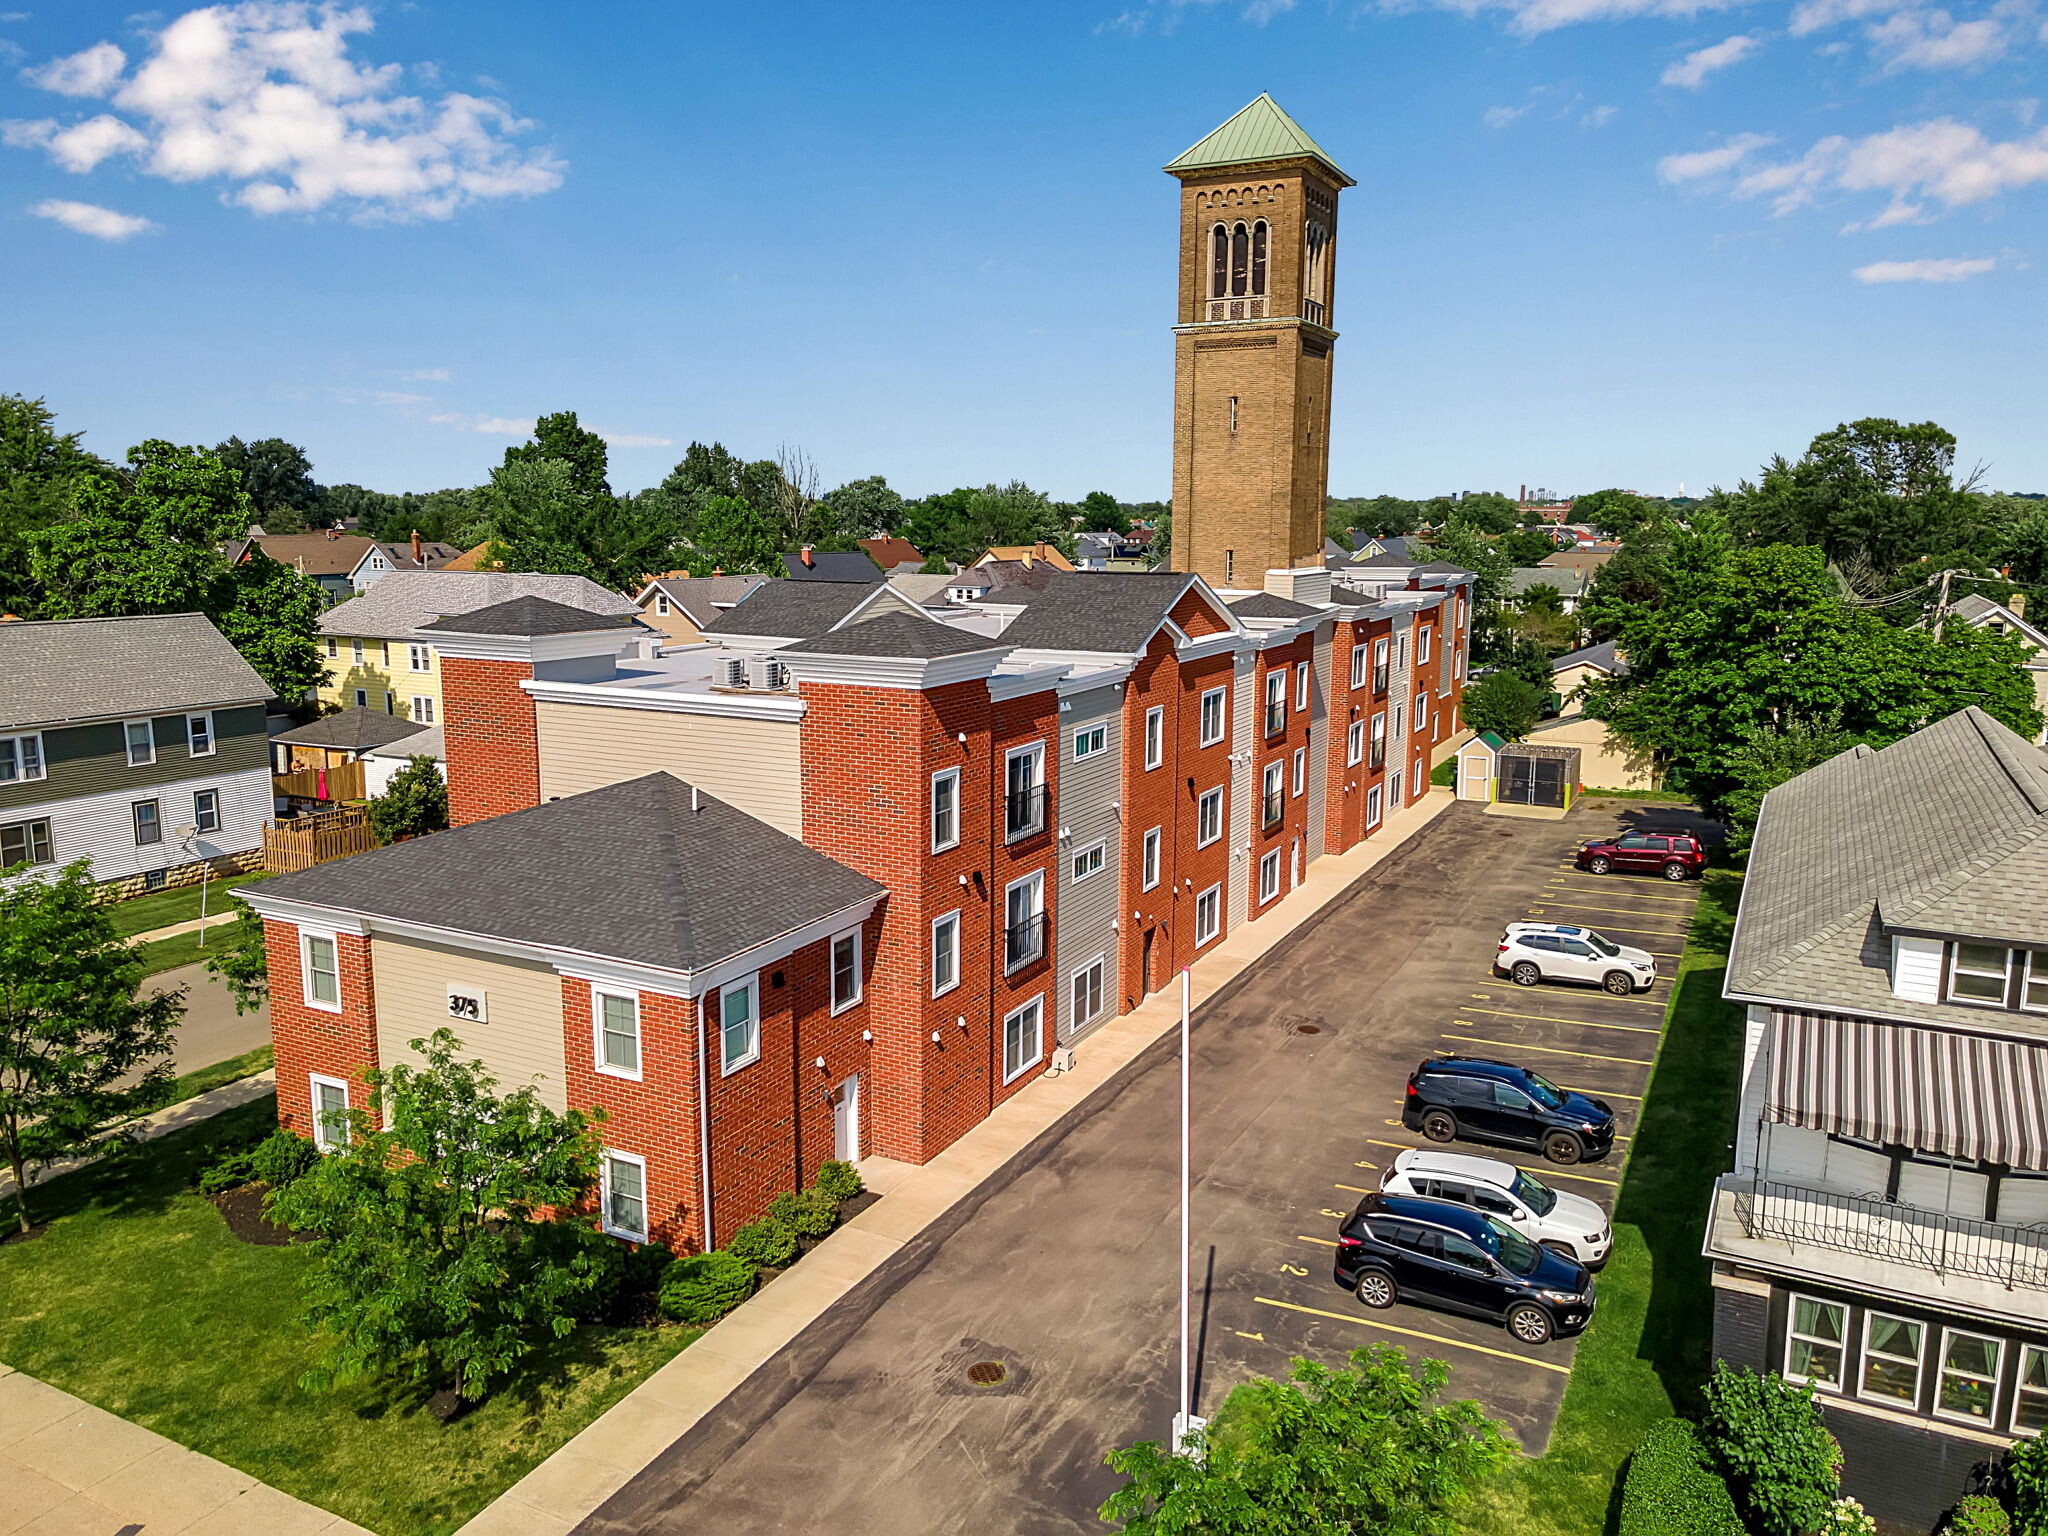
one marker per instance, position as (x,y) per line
(843,874)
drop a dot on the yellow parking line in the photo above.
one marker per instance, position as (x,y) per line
(1320,1242)
(1580,906)
(1634,1029)
(1605,886)
(1547,1050)
(1354,1189)
(1633,1002)
(1544,1172)
(1413,1333)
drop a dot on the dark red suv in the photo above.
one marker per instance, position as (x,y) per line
(1674,855)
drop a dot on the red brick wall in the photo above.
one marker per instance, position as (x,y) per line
(310,1040)
(493,762)
(1195,869)
(656,1118)
(1278,661)
(1150,799)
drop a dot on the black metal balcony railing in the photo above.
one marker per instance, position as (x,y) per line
(2015,1257)
(1379,679)
(1023,942)
(1276,718)
(1024,813)
(1270,810)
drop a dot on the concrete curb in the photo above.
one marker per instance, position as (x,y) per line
(560,1493)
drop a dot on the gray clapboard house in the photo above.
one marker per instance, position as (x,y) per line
(135,743)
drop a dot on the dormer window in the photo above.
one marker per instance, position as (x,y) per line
(1994,976)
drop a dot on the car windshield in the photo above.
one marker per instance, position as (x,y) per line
(1534,1193)
(1606,947)
(1509,1246)
(1547,1093)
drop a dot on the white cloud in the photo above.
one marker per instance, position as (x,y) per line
(428,375)
(1702,163)
(1949,162)
(91,219)
(1691,71)
(1814,15)
(1530,18)
(1500,117)
(1933,39)
(1599,117)
(1932,269)
(264,97)
(397,397)
(490,426)
(634,439)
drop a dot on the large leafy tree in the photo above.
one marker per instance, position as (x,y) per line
(79,1050)
(734,536)
(413,804)
(1488,511)
(41,470)
(561,438)
(861,509)
(1368,1448)
(1379,516)
(1504,703)
(536,518)
(1103,513)
(278,478)
(153,544)
(1616,513)
(437,1261)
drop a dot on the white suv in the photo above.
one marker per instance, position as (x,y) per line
(1568,1224)
(1533,952)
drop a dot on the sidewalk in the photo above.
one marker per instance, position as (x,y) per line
(566,1488)
(191,925)
(173,1117)
(70,1469)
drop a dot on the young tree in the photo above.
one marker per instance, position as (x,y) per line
(278,478)
(1505,704)
(1370,1448)
(435,1262)
(1762,761)
(413,804)
(72,1028)
(560,438)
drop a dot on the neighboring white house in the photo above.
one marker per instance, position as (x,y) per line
(2011,618)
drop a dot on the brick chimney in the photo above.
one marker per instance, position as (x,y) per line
(804,555)
(334,533)
(416,560)
(2018,604)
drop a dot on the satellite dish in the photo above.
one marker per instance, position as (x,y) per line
(185,831)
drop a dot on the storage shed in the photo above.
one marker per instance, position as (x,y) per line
(1476,767)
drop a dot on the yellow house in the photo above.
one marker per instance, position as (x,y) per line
(373,661)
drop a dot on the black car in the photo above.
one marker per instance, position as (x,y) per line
(1397,1248)
(1469,1096)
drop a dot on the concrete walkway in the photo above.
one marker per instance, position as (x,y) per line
(70,1469)
(211,920)
(557,1495)
(174,1117)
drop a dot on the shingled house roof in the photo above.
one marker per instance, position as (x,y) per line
(895,634)
(1099,611)
(528,616)
(96,669)
(793,609)
(404,600)
(351,730)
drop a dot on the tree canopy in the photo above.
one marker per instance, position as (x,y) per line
(41,469)
(1504,703)
(278,478)
(559,437)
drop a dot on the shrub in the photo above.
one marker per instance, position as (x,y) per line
(1767,1438)
(644,1266)
(282,1158)
(1978,1515)
(1846,1518)
(838,1182)
(765,1244)
(1672,1488)
(703,1287)
(807,1215)
(229,1172)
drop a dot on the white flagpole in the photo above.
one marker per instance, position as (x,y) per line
(1184,1422)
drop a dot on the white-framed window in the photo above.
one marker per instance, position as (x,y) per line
(615,1025)
(1814,1342)
(1373,803)
(356,652)
(847,981)
(661,604)
(1213,716)
(149,822)
(21,759)
(1420,768)
(1298,783)
(1089,860)
(624,1195)
(141,742)
(362,698)
(199,735)
(1379,653)
(320,971)
(1269,876)
(1379,739)
(1090,740)
(1354,744)
(1087,991)
(330,1112)
(1394,722)
(1422,711)
(25,842)
(1967,1387)
(945,953)
(1024,777)
(1358,666)
(206,810)
(1422,647)
(1023,1039)
(2030,1405)
(1978,973)
(1300,686)
(739,1024)
(1401,649)
(423,709)
(945,809)
(1208,915)
(1148,860)
(1894,1349)
(1209,817)
(419,658)
(1273,800)
(1024,921)
(1458,663)
(333,648)
(1276,700)
(1155,736)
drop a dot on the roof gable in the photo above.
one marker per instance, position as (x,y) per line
(1109,611)
(1259,131)
(527,615)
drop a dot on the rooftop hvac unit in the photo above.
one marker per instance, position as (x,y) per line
(765,672)
(732,672)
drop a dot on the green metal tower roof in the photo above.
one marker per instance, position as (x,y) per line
(1260,132)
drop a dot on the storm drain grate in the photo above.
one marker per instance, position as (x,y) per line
(988,1373)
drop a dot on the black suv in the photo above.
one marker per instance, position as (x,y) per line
(1395,1247)
(1469,1096)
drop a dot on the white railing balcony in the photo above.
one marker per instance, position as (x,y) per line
(1249,307)
(1876,1228)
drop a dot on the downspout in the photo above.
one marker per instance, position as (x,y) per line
(704,1126)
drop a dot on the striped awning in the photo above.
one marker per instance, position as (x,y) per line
(1933,1090)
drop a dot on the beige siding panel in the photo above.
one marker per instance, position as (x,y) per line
(752,765)
(521,1037)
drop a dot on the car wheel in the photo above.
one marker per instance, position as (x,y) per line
(1563,1147)
(1440,1125)
(1599,864)
(1562,1249)
(1620,983)
(1525,973)
(1530,1324)
(1376,1289)
(1675,871)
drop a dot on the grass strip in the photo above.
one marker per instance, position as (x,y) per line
(189,1085)
(160,955)
(160,909)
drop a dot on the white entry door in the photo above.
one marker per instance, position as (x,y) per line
(846,1121)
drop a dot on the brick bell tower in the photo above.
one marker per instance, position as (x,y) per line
(1252,351)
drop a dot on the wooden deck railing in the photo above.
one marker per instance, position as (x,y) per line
(344,781)
(308,840)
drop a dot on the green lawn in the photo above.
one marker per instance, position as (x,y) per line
(160,955)
(1647,1351)
(191,1084)
(138,1300)
(167,907)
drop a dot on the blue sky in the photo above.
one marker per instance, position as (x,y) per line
(1594,242)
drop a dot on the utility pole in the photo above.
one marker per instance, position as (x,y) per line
(1941,606)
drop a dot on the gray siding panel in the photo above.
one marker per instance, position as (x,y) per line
(1086,909)
(93,759)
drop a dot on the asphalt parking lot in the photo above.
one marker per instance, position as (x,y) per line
(1064,1267)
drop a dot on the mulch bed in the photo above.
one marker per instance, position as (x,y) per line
(14,1234)
(848,1209)
(242,1210)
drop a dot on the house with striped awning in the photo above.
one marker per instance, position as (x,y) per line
(1884,1231)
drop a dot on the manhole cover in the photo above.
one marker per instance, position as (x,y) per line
(1308,1029)
(988,1373)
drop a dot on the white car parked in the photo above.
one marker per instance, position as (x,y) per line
(1533,952)
(1568,1224)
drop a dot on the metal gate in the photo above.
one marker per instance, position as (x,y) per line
(1528,780)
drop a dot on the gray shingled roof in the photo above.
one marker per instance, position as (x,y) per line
(93,669)
(895,634)
(1604,656)
(1265,605)
(795,609)
(530,616)
(401,602)
(1099,611)
(1941,833)
(628,872)
(833,565)
(428,743)
(351,730)
(703,598)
